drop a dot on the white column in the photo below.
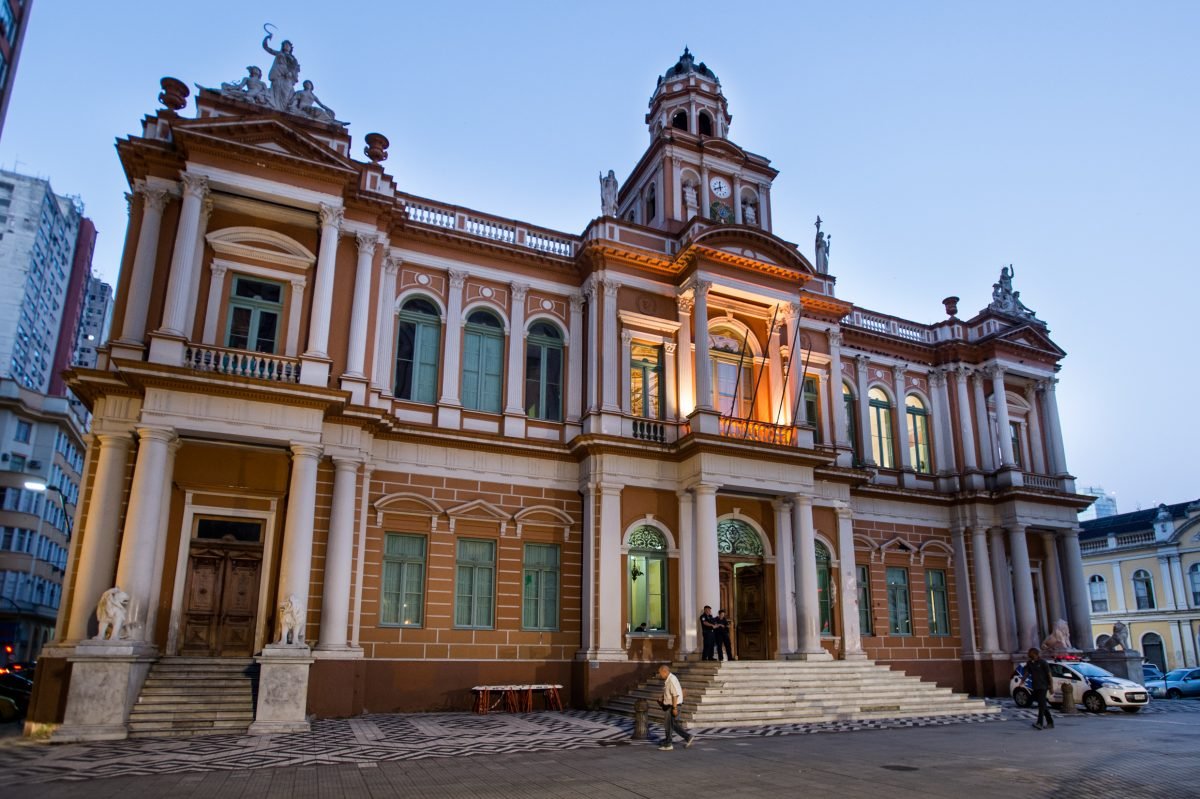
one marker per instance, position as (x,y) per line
(899,380)
(1037,452)
(737,199)
(861,363)
(1002,590)
(703,363)
(591,291)
(775,376)
(322,300)
(193,295)
(1056,437)
(705,200)
(708,570)
(1053,578)
(360,555)
(1177,579)
(808,610)
(985,595)
(987,440)
(356,350)
(216,288)
(670,381)
(452,353)
(97,555)
(1168,592)
(339,556)
(676,189)
(139,542)
(785,578)
(848,582)
(609,380)
(962,581)
(575,359)
(965,428)
(837,404)
(182,276)
(295,311)
(141,275)
(686,378)
(385,327)
(764,206)
(587,591)
(796,412)
(1118,587)
(1022,574)
(687,573)
(943,441)
(159,556)
(1003,430)
(610,571)
(1189,643)
(295,567)
(515,380)
(626,355)
(1081,618)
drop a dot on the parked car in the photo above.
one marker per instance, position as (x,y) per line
(1177,684)
(18,689)
(1151,671)
(1094,687)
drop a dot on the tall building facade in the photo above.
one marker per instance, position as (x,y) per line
(14,19)
(1143,570)
(398,447)
(1104,506)
(94,323)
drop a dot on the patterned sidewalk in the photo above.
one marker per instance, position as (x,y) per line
(377,738)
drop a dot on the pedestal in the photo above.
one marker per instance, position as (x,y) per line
(106,678)
(167,349)
(706,421)
(282,689)
(314,371)
(1123,663)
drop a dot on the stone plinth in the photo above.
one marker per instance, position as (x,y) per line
(1123,663)
(106,678)
(282,689)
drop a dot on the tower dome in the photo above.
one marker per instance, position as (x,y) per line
(688,98)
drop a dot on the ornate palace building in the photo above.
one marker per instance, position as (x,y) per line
(393,448)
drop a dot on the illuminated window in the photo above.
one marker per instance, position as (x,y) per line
(403,580)
(918,435)
(881,429)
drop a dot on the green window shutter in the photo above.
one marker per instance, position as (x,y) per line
(493,380)
(428,341)
(472,344)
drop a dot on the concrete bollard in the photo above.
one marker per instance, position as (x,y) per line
(641,720)
(1068,692)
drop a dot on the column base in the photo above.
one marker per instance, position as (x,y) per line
(338,652)
(167,348)
(356,385)
(449,417)
(812,656)
(126,350)
(314,370)
(282,689)
(705,420)
(514,424)
(973,481)
(854,656)
(1009,477)
(602,655)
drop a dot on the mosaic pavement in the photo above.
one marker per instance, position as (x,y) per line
(369,739)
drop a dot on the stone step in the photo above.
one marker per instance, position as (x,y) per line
(195,696)
(171,729)
(158,681)
(191,704)
(192,717)
(158,687)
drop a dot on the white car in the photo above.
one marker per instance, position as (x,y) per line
(1092,685)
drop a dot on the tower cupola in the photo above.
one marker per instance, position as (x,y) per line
(688,97)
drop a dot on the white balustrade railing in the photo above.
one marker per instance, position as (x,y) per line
(491,229)
(487,229)
(910,331)
(1043,481)
(1135,539)
(242,363)
(549,244)
(429,215)
(1095,545)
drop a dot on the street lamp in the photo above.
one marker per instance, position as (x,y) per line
(39,485)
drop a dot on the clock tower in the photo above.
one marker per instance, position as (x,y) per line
(691,168)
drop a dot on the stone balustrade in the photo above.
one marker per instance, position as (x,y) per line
(242,363)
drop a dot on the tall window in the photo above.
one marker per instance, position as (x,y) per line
(732,387)
(1194,579)
(645,384)
(918,435)
(706,127)
(23,431)
(1143,590)
(1014,434)
(647,580)
(475,584)
(1099,593)
(812,407)
(823,599)
(939,606)
(254,311)
(417,349)
(541,587)
(544,372)
(899,617)
(881,429)
(651,204)
(865,625)
(403,580)
(1153,650)
(851,421)
(483,362)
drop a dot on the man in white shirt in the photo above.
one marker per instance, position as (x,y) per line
(672,697)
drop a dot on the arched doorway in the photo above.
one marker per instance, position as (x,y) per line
(743,587)
(1152,650)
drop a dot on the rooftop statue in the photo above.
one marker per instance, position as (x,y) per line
(1007,301)
(608,194)
(281,94)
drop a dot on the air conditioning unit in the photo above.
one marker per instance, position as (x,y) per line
(34,465)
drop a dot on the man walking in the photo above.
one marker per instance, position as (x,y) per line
(708,629)
(1039,674)
(672,696)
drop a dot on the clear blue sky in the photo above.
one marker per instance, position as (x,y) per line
(938,141)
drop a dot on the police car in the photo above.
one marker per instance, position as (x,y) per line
(1092,685)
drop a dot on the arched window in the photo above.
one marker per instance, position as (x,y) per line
(1194,579)
(1143,590)
(417,348)
(1152,650)
(881,429)
(823,599)
(918,435)
(706,126)
(851,420)
(651,204)
(732,387)
(543,372)
(1099,593)
(647,580)
(735,537)
(679,120)
(483,362)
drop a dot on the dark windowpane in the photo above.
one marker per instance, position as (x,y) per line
(257,290)
(267,325)
(405,349)
(228,530)
(239,328)
(421,306)
(484,318)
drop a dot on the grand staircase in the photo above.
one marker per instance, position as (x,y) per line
(755,693)
(195,696)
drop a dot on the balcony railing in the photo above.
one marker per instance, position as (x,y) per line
(240,363)
(1043,481)
(495,229)
(647,430)
(762,432)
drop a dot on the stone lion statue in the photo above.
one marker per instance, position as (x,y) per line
(291,621)
(111,612)
(1060,639)
(1118,640)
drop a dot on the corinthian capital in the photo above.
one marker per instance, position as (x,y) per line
(194,185)
(458,279)
(331,216)
(154,199)
(366,243)
(519,291)
(835,338)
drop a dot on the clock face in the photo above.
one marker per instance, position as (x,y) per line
(719,187)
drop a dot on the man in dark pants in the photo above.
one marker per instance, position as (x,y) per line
(708,628)
(722,623)
(1039,675)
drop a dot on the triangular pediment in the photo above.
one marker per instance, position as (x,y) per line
(266,137)
(1031,336)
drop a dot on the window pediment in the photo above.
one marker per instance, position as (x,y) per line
(260,244)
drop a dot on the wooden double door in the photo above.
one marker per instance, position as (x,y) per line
(220,606)
(743,594)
